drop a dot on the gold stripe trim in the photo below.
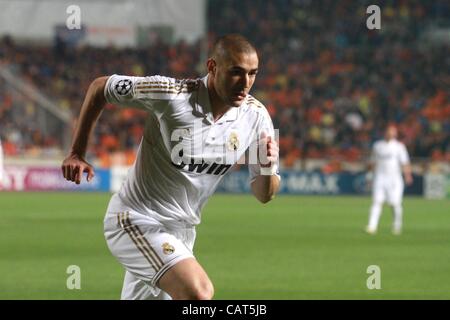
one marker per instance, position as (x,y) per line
(168,91)
(139,244)
(142,238)
(138,241)
(145,244)
(152,82)
(162,86)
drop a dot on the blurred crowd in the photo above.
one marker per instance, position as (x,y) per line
(329,83)
(65,73)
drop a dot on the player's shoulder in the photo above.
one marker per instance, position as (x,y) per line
(168,85)
(253,102)
(400,145)
(256,106)
(378,144)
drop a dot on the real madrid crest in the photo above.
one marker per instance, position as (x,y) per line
(233,141)
(168,248)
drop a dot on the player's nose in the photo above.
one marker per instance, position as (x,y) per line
(244,83)
(247,82)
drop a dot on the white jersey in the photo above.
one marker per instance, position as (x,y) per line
(389,157)
(184,154)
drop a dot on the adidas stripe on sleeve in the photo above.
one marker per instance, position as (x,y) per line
(149,93)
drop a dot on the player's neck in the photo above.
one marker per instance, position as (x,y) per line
(218,107)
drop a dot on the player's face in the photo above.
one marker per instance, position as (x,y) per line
(391,133)
(234,77)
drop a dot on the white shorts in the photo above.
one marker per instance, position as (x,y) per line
(388,190)
(145,247)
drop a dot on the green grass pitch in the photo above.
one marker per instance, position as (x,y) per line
(295,247)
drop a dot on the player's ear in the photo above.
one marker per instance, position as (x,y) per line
(211,65)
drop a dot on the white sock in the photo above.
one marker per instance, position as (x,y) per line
(398,213)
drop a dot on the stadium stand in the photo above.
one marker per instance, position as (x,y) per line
(329,84)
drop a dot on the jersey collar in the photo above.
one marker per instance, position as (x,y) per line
(203,106)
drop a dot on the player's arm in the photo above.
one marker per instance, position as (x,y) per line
(75,164)
(369,172)
(406,165)
(147,93)
(265,187)
(267,183)
(407,173)
(372,158)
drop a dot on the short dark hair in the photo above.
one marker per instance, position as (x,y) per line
(235,43)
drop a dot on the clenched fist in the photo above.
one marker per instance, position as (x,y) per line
(268,151)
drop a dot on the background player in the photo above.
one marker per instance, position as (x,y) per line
(209,123)
(389,159)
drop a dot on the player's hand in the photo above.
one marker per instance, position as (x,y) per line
(408,179)
(73,167)
(268,151)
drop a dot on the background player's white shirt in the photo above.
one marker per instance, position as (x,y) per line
(183,154)
(389,157)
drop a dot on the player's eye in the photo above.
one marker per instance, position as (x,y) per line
(235,72)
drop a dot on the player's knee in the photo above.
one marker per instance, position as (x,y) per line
(377,204)
(202,291)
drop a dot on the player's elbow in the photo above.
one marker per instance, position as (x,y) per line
(96,91)
(99,83)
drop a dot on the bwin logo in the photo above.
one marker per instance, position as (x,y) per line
(211,168)
(196,164)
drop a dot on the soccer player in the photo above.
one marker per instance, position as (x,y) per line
(195,132)
(389,159)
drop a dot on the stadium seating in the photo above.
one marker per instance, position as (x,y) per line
(329,84)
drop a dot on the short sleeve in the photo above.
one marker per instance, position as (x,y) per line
(403,156)
(265,125)
(150,93)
